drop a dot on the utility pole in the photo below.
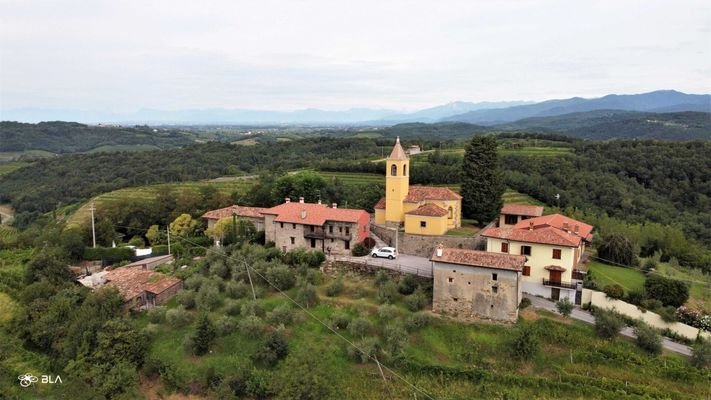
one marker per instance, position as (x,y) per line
(168,230)
(254,294)
(93,229)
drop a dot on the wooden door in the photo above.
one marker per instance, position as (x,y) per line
(555,276)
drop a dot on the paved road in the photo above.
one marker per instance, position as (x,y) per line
(585,316)
(420,266)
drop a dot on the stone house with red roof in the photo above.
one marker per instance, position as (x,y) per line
(252,214)
(141,288)
(477,284)
(312,226)
(553,246)
(422,210)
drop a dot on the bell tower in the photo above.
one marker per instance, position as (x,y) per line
(397,183)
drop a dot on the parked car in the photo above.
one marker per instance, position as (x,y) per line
(385,252)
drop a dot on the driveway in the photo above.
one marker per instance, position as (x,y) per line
(585,316)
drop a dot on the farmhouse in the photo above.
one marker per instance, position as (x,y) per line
(553,245)
(332,230)
(477,284)
(423,210)
(142,288)
(252,214)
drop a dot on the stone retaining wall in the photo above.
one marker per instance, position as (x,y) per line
(424,245)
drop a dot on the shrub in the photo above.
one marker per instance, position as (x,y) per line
(388,312)
(565,307)
(694,318)
(220,269)
(608,323)
(407,284)
(281,315)
(387,292)
(669,291)
(647,338)
(307,296)
(136,241)
(417,321)
(156,315)
(150,330)
(314,277)
(253,307)
(667,313)
(339,320)
(649,265)
(525,302)
(652,304)
(365,350)
(395,340)
(208,297)
(236,290)
(635,297)
(274,349)
(381,277)
(282,277)
(178,317)
(701,354)
(360,250)
(525,344)
(194,282)
(233,308)
(225,325)
(251,326)
(188,344)
(614,291)
(335,288)
(417,301)
(360,327)
(109,253)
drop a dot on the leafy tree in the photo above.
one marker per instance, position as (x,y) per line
(701,353)
(183,226)
(50,264)
(525,344)
(155,235)
(360,327)
(304,377)
(205,333)
(282,277)
(308,185)
(668,291)
(73,244)
(387,292)
(307,296)
(608,323)
(618,249)
(565,307)
(482,184)
(647,338)
(274,349)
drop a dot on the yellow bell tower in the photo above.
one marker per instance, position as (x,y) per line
(397,183)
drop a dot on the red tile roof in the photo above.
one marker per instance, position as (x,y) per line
(131,282)
(478,258)
(314,214)
(380,204)
(429,210)
(549,229)
(240,211)
(398,153)
(417,194)
(522,209)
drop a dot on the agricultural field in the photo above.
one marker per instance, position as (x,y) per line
(7,167)
(512,196)
(604,274)
(15,155)
(536,151)
(700,284)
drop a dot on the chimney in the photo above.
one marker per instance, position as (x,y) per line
(319,201)
(334,205)
(566,227)
(576,228)
(440,249)
(301,200)
(530,225)
(303,213)
(287,200)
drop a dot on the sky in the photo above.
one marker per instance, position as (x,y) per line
(122,56)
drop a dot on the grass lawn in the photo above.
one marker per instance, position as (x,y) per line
(512,196)
(468,228)
(605,274)
(700,289)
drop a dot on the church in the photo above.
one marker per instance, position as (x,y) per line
(423,210)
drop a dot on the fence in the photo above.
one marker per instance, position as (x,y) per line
(393,265)
(600,299)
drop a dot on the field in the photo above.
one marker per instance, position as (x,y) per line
(14,155)
(7,167)
(512,196)
(604,274)
(700,284)
(444,358)
(536,151)
(124,147)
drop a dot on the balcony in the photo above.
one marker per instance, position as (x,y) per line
(316,233)
(559,284)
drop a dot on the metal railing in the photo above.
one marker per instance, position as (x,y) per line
(559,284)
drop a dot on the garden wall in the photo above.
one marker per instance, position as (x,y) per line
(424,245)
(600,299)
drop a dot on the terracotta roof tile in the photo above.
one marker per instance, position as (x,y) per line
(429,210)
(398,153)
(478,258)
(313,214)
(380,204)
(522,209)
(131,282)
(560,222)
(545,235)
(241,211)
(417,194)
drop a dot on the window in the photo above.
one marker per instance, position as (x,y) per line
(423,224)
(331,240)
(495,289)
(494,277)
(510,219)
(525,250)
(526,270)
(404,170)
(293,226)
(556,254)
(340,229)
(293,240)
(330,229)
(348,231)
(454,299)
(313,243)
(312,228)
(504,247)
(450,280)
(451,212)
(348,244)
(393,170)
(281,225)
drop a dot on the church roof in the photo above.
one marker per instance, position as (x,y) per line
(398,153)
(380,205)
(429,210)
(416,194)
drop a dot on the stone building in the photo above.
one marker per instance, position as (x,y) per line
(315,226)
(141,288)
(512,213)
(477,284)
(252,214)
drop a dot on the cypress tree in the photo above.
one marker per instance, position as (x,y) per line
(204,335)
(482,184)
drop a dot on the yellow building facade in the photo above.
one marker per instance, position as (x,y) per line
(423,210)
